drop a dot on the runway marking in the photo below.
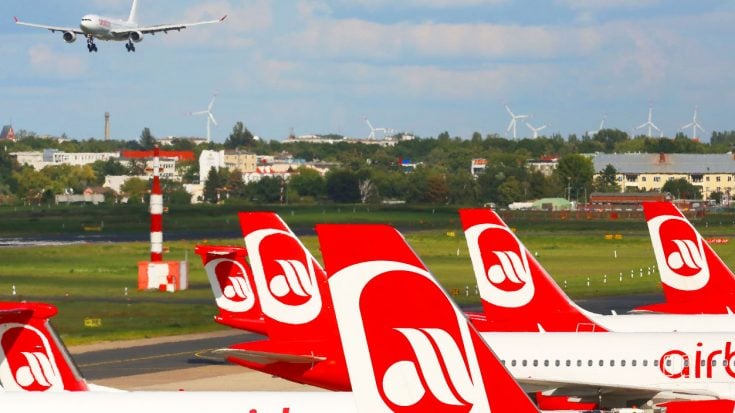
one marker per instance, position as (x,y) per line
(104,363)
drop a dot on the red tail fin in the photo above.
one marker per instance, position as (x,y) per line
(693,277)
(232,285)
(517,293)
(292,291)
(397,323)
(32,358)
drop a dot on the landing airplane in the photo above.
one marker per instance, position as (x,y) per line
(519,295)
(93,27)
(693,277)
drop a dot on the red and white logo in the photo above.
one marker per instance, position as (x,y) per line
(27,362)
(229,280)
(679,252)
(501,266)
(418,360)
(284,276)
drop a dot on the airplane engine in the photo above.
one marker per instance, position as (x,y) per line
(69,37)
(137,37)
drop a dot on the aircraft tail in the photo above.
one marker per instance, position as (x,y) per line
(517,293)
(32,358)
(399,326)
(694,279)
(292,301)
(133,12)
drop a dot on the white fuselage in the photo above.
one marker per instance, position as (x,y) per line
(694,363)
(102,28)
(254,402)
(689,323)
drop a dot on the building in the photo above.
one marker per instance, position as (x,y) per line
(243,161)
(7,133)
(649,172)
(49,157)
(478,166)
(208,160)
(546,164)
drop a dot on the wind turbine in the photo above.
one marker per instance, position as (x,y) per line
(373,130)
(210,117)
(602,125)
(535,130)
(650,124)
(514,120)
(694,125)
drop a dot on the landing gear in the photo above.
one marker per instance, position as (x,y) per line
(90,44)
(130,46)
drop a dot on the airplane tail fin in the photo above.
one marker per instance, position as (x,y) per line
(232,285)
(293,299)
(694,279)
(133,12)
(517,293)
(407,346)
(32,358)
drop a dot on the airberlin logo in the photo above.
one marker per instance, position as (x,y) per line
(230,285)
(27,361)
(500,265)
(679,252)
(439,367)
(284,276)
(678,364)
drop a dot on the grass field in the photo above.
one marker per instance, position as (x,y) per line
(98,280)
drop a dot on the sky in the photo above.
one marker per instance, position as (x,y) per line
(419,66)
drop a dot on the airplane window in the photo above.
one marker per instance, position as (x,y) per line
(612,363)
(686,363)
(535,363)
(524,363)
(601,363)
(546,363)
(579,363)
(714,363)
(701,363)
(589,363)
(645,363)
(622,363)
(557,363)
(668,362)
(569,363)
(655,363)
(513,363)
(633,363)
(724,363)
(503,361)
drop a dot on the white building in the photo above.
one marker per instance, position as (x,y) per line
(208,160)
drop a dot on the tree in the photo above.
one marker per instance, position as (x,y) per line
(147,141)
(239,137)
(606,181)
(576,172)
(135,189)
(343,186)
(213,186)
(307,182)
(682,189)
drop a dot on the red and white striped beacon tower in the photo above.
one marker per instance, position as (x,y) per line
(157,274)
(156,209)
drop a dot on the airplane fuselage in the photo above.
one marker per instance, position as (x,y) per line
(687,363)
(104,28)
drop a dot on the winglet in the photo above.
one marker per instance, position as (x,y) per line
(16,19)
(223,18)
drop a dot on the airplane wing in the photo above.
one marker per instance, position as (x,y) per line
(52,28)
(167,27)
(268,358)
(594,390)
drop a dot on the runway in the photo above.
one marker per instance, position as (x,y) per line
(185,362)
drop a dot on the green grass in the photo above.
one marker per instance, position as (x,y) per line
(89,280)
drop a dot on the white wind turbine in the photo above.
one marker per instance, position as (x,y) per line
(373,130)
(602,125)
(535,130)
(650,124)
(210,117)
(514,121)
(694,125)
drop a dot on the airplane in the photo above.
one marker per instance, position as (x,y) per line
(257,223)
(93,27)
(611,368)
(517,294)
(694,279)
(457,372)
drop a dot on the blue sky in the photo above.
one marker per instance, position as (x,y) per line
(424,66)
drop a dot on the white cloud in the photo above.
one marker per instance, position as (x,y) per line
(45,61)
(434,4)
(606,4)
